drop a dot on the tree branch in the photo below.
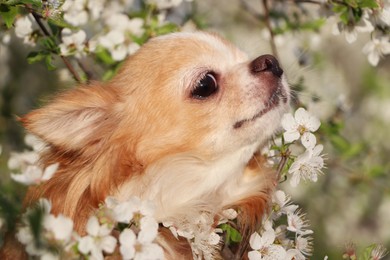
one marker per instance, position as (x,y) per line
(282,163)
(46,32)
(267,22)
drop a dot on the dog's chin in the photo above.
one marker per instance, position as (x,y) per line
(277,101)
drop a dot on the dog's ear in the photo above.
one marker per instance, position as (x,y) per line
(75,118)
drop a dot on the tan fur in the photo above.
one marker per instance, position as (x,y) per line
(142,135)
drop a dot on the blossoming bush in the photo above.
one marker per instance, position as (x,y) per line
(76,32)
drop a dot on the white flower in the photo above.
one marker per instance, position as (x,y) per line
(25,236)
(127,240)
(282,204)
(34,142)
(132,48)
(380,16)
(23,27)
(178,232)
(6,38)
(302,250)
(132,209)
(97,240)
(75,12)
(59,227)
(199,230)
(114,42)
(55,232)
(377,48)
(27,163)
(351,30)
(227,214)
(122,23)
(302,124)
(33,174)
(378,252)
(263,246)
(72,42)
(141,248)
(96,8)
(307,166)
(22,160)
(297,223)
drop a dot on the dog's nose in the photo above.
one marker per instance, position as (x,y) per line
(266,63)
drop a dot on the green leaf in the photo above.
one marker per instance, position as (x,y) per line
(104,56)
(339,8)
(167,28)
(49,62)
(377,171)
(351,3)
(35,219)
(232,234)
(9,14)
(366,255)
(35,3)
(110,73)
(368,4)
(34,56)
(48,42)
(60,22)
(344,17)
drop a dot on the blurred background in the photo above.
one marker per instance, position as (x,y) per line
(332,78)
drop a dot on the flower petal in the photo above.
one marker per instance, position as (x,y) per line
(288,122)
(86,244)
(295,179)
(149,230)
(254,255)
(255,241)
(108,244)
(291,136)
(93,226)
(308,140)
(49,171)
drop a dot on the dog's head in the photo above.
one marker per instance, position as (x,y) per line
(180,93)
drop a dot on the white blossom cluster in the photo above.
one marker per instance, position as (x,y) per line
(58,240)
(379,44)
(26,163)
(285,241)
(93,25)
(56,234)
(300,126)
(201,233)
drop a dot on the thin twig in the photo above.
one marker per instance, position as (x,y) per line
(267,22)
(39,22)
(71,68)
(46,32)
(282,163)
(90,74)
(251,11)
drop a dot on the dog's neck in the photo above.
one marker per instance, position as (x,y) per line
(185,184)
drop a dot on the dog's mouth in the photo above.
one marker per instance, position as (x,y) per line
(279,95)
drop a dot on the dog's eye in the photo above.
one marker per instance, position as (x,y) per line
(206,87)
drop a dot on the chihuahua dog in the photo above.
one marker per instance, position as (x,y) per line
(180,125)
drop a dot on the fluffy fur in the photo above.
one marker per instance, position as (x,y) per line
(143,134)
